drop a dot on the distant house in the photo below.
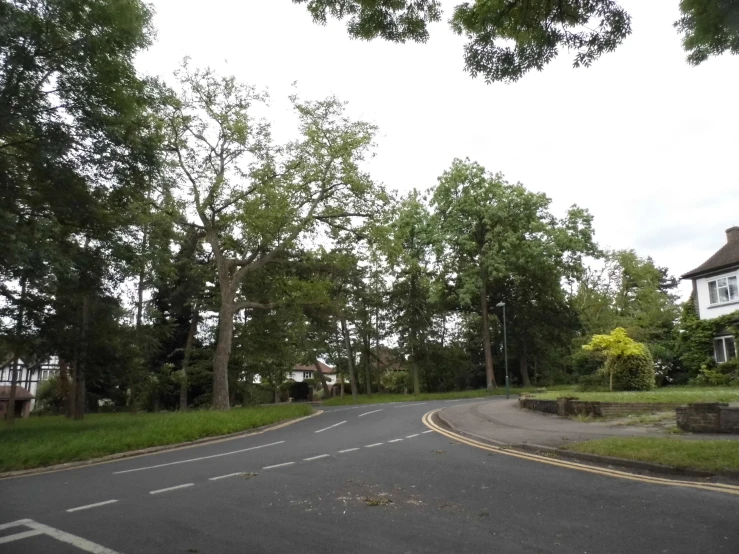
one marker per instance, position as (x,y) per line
(23,400)
(716,291)
(302,373)
(30,374)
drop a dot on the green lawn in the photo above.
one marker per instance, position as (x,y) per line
(710,455)
(382,398)
(676,395)
(41,441)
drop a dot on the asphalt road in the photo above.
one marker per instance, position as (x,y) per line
(359,479)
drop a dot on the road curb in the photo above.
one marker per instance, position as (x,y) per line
(587,457)
(153,449)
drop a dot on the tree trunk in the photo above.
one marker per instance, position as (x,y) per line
(186,361)
(80,393)
(72,399)
(414,365)
(322,377)
(79,385)
(222,355)
(350,362)
(523,366)
(66,387)
(140,291)
(487,348)
(10,415)
(367,368)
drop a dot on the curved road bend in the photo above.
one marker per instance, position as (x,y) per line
(357,479)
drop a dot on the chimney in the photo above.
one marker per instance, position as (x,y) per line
(732,234)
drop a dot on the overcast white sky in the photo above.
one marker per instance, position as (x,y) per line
(647,143)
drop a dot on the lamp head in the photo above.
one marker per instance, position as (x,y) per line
(500,304)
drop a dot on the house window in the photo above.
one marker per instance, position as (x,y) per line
(307,375)
(723,290)
(724,349)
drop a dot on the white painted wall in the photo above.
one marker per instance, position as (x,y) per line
(707,311)
(36,377)
(299,377)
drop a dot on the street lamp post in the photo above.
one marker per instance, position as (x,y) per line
(505,349)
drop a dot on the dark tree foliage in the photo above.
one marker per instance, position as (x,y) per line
(509,38)
(709,28)
(394,20)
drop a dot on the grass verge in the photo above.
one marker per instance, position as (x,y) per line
(674,395)
(42,441)
(709,455)
(454,395)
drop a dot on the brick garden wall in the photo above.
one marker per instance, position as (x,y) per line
(708,417)
(569,407)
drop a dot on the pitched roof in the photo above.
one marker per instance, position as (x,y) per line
(324,368)
(726,257)
(20,393)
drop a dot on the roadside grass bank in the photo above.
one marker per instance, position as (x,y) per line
(453,395)
(709,455)
(674,395)
(48,440)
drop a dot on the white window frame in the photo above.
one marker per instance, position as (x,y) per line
(307,375)
(720,352)
(715,286)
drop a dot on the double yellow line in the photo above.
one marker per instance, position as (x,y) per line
(714,487)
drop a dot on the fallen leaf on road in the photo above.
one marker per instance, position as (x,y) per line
(374,501)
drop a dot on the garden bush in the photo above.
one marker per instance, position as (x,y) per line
(632,371)
(594,382)
(396,381)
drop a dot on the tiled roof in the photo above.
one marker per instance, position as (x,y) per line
(20,393)
(324,368)
(726,257)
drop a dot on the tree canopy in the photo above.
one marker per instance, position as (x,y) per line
(509,38)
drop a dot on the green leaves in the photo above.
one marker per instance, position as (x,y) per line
(509,38)
(394,20)
(709,28)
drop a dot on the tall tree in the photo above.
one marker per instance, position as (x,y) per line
(254,199)
(73,118)
(410,296)
(497,235)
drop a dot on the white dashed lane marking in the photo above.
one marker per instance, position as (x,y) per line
(330,427)
(279,465)
(316,457)
(92,506)
(395,440)
(198,459)
(429,431)
(413,404)
(373,445)
(225,476)
(348,450)
(172,488)
(411,436)
(368,413)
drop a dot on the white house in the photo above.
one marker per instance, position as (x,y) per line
(30,374)
(302,372)
(716,291)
